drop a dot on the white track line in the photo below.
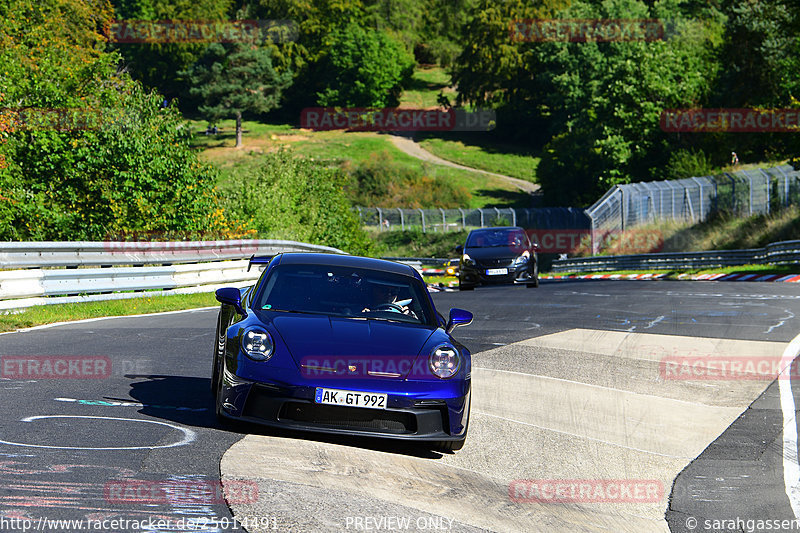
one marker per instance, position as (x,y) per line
(97,319)
(791,467)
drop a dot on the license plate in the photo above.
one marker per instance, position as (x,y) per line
(350,398)
(496,271)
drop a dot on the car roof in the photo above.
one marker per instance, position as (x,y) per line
(302,258)
(495,228)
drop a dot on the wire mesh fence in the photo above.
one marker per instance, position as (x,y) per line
(439,220)
(743,193)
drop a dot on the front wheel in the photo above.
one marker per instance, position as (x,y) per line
(465,287)
(222,419)
(218,351)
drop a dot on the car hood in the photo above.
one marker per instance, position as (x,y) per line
(323,345)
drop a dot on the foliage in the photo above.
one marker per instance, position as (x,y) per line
(363,68)
(759,64)
(122,164)
(687,163)
(234,79)
(762,53)
(381,182)
(595,105)
(156,64)
(290,197)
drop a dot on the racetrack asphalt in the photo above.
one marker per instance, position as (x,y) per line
(567,386)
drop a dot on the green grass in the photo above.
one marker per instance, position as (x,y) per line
(426,83)
(435,280)
(348,149)
(473,152)
(338,148)
(48,314)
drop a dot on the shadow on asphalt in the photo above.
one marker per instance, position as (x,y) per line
(188,401)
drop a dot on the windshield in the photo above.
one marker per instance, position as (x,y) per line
(347,292)
(515,239)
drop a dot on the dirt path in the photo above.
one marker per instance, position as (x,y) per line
(412,148)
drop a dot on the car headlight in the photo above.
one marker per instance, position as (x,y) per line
(522,259)
(444,361)
(257,344)
(467,260)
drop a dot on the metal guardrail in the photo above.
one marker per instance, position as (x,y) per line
(779,253)
(419,260)
(201,267)
(91,253)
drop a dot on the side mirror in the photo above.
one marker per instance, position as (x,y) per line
(458,317)
(231,296)
(459,249)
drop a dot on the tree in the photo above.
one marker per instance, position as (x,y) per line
(607,99)
(157,64)
(593,108)
(232,79)
(363,67)
(121,164)
(760,63)
(762,53)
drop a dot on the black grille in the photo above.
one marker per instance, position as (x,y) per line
(492,263)
(352,418)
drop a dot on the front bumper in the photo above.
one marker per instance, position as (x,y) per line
(476,275)
(408,416)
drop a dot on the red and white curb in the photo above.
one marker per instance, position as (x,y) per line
(790,278)
(606,276)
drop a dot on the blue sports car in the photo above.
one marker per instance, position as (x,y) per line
(342,344)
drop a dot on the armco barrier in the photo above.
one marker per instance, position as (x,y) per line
(779,253)
(200,268)
(91,253)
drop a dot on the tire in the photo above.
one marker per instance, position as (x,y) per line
(465,287)
(218,352)
(222,419)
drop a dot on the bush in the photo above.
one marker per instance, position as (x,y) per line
(294,198)
(363,68)
(569,170)
(380,182)
(688,163)
(122,164)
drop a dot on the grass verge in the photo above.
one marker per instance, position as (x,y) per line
(49,314)
(484,154)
